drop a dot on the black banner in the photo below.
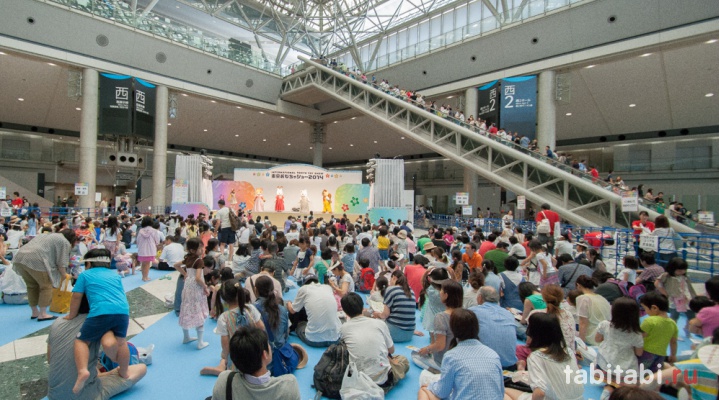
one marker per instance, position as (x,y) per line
(144,110)
(41,184)
(115,105)
(488,100)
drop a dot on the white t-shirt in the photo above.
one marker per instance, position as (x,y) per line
(244,235)
(221,328)
(224,216)
(551,377)
(292,235)
(346,278)
(518,251)
(368,342)
(13,238)
(173,253)
(632,275)
(563,247)
(323,323)
(544,258)
(618,347)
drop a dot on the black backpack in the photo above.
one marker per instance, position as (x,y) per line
(330,371)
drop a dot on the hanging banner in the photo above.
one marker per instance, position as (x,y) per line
(467,210)
(180,191)
(518,111)
(630,201)
(461,198)
(115,100)
(521,203)
(82,189)
(488,100)
(144,110)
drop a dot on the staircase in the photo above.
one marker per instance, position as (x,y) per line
(578,200)
(31,196)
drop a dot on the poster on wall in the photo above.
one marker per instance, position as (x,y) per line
(82,189)
(295,188)
(630,202)
(488,100)
(467,210)
(180,191)
(705,217)
(519,105)
(521,203)
(461,198)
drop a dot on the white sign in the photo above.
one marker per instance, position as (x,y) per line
(462,198)
(467,210)
(5,212)
(82,189)
(705,217)
(98,197)
(649,242)
(180,191)
(521,203)
(630,201)
(3,192)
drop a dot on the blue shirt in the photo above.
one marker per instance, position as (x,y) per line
(470,371)
(496,325)
(104,291)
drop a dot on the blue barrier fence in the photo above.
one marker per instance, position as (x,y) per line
(701,251)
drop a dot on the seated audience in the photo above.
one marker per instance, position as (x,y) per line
(399,308)
(319,324)
(496,324)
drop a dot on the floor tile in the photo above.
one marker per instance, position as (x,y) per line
(143,303)
(162,287)
(7,352)
(24,379)
(145,322)
(133,328)
(31,346)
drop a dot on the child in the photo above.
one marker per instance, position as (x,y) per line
(193,309)
(620,340)
(383,243)
(241,260)
(376,298)
(123,260)
(629,273)
(659,330)
(240,313)
(109,315)
(676,286)
(216,306)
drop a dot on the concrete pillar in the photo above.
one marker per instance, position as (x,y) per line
(318,134)
(159,151)
(88,138)
(546,111)
(471,102)
(471,186)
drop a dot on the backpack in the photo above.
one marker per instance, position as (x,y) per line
(234,221)
(366,281)
(543,225)
(106,364)
(330,371)
(636,292)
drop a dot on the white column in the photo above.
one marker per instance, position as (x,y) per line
(471,100)
(159,151)
(546,111)
(317,138)
(88,138)
(471,186)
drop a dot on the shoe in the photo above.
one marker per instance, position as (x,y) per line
(47,319)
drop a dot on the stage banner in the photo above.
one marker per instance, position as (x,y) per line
(295,188)
(115,100)
(180,191)
(488,101)
(519,105)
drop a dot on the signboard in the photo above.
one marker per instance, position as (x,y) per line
(488,100)
(115,100)
(98,197)
(82,189)
(3,192)
(467,210)
(518,104)
(144,110)
(5,212)
(705,217)
(180,191)
(649,242)
(462,198)
(521,203)
(630,201)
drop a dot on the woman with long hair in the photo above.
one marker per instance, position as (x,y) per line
(274,314)
(592,309)
(111,231)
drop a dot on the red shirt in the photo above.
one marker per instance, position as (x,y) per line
(594,173)
(17,203)
(638,230)
(552,216)
(596,239)
(485,247)
(414,274)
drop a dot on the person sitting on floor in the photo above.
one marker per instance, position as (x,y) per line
(314,314)
(61,355)
(251,353)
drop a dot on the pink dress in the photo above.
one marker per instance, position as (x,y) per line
(193,310)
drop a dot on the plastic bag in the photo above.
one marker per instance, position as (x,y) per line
(11,283)
(357,385)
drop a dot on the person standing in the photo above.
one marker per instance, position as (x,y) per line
(553,218)
(226,235)
(42,264)
(147,240)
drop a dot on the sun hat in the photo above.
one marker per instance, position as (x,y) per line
(429,246)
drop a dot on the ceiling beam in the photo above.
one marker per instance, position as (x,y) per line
(149,8)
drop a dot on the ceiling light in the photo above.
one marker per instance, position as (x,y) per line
(302,122)
(20,99)
(205,130)
(237,135)
(590,66)
(184,94)
(709,95)
(402,138)
(2,54)
(51,64)
(330,148)
(239,107)
(375,142)
(262,112)
(354,117)
(169,124)
(568,114)
(351,145)
(632,105)
(707,42)
(289,144)
(282,117)
(78,108)
(310,148)
(212,101)
(264,140)
(449,97)
(646,55)
(335,122)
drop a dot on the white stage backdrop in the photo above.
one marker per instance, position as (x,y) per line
(388,186)
(189,168)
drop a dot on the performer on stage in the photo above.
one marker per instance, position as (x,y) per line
(259,201)
(279,200)
(304,202)
(326,201)
(233,199)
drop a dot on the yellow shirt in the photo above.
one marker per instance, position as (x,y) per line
(382,243)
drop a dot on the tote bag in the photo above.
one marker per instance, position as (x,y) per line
(357,385)
(61,297)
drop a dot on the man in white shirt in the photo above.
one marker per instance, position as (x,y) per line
(369,342)
(227,235)
(173,252)
(322,327)
(365,234)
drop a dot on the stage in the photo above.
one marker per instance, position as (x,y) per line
(279,218)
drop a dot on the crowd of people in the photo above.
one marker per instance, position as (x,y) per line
(531,304)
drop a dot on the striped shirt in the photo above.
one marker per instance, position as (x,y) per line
(706,384)
(46,253)
(401,308)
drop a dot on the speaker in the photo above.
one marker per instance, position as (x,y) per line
(41,184)
(122,159)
